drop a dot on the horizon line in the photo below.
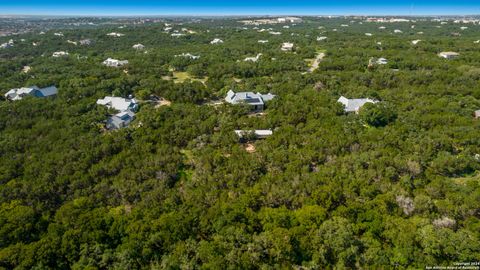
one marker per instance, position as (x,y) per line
(235,15)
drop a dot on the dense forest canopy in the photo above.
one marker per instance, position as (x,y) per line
(396,185)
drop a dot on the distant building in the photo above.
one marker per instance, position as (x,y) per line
(354,105)
(119,103)
(114,62)
(253,59)
(6,45)
(120,120)
(188,55)
(257,134)
(60,54)
(477,114)
(216,41)
(449,55)
(381,61)
(256,101)
(114,34)
(85,42)
(396,31)
(287,46)
(415,42)
(263,41)
(321,38)
(289,20)
(58,34)
(138,47)
(20,93)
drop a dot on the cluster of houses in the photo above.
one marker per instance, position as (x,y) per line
(6,45)
(272,21)
(125,111)
(34,91)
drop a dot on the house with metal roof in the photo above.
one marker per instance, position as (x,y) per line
(119,103)
(120,120)
(354,105)
(20,93)
(255,100)
(126,111)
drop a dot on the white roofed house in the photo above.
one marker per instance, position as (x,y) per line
(449,55)
(59,54)
(287,46)
(354,105)
(216,41)
(188,55)
(114,34)
(138,47)
(125,108)
(255,100)
(119,103)
(253,59)
(20,93)
(114,62)
(256,134)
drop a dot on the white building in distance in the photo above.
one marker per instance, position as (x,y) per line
(287,46)
(138,47)
(449,55)
(188,55)
(216,41)
(253,59)
(114,62)
(115,34)
(60,54)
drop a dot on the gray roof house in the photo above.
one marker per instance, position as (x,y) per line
(120,120)
(255,100)
(354,105)
(19,93)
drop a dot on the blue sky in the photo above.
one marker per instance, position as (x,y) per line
(240,7)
